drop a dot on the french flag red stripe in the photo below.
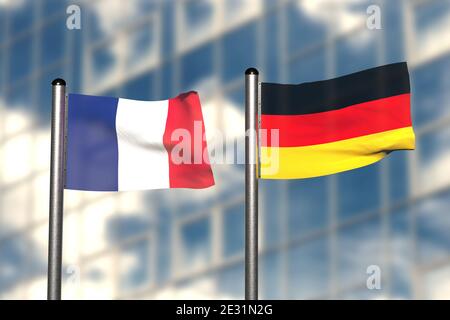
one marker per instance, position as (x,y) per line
(185,127)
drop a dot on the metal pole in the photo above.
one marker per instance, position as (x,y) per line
(251,184)
(57,168)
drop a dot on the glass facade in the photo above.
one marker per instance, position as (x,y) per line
(317,236)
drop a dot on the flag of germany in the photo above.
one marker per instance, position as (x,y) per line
(335,125)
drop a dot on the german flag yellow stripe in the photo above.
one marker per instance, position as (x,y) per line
(329,158)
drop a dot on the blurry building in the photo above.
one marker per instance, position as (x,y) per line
(318,236)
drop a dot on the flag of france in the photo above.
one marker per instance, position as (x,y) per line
(116,144)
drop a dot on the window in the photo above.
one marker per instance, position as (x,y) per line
(97,280)
(168,16)
(236,98)
(359,247)
(18,99)
(271,275)
(392,21)
(122,228)
(307,68)
(54,42)
(197,23)
(95,218)
(22,16)
(56,6)
(15,257)
(234,230)
(105,62)
(110,17)
(197,68)
(239,51)
(230,284)
(308,206)
(401,254)
(272,208)
(164,246)
(434,154)
(433,223)
(303,29)
(398,176)
(142,45)
(195,244)
(135,268)
(166,89)
(191,202)
(358,191)
(432,23)
(20,59)
(95,31)
(431,98)
(140,88)
(308,275)
(271,22)
(357,51)
(197,15)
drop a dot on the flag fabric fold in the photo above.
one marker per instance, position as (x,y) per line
(325,127)
(116,144)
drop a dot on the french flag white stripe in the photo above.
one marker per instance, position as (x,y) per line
(143,161)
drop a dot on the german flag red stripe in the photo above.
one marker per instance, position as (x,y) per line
(350,122)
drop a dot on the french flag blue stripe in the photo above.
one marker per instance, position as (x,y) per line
(92,147)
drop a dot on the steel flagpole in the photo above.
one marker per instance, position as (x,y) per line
(57,172)
(251,184)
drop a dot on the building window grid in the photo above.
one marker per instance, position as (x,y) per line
(122,74)
(66,63)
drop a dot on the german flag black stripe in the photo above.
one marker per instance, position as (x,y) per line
(321,96)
